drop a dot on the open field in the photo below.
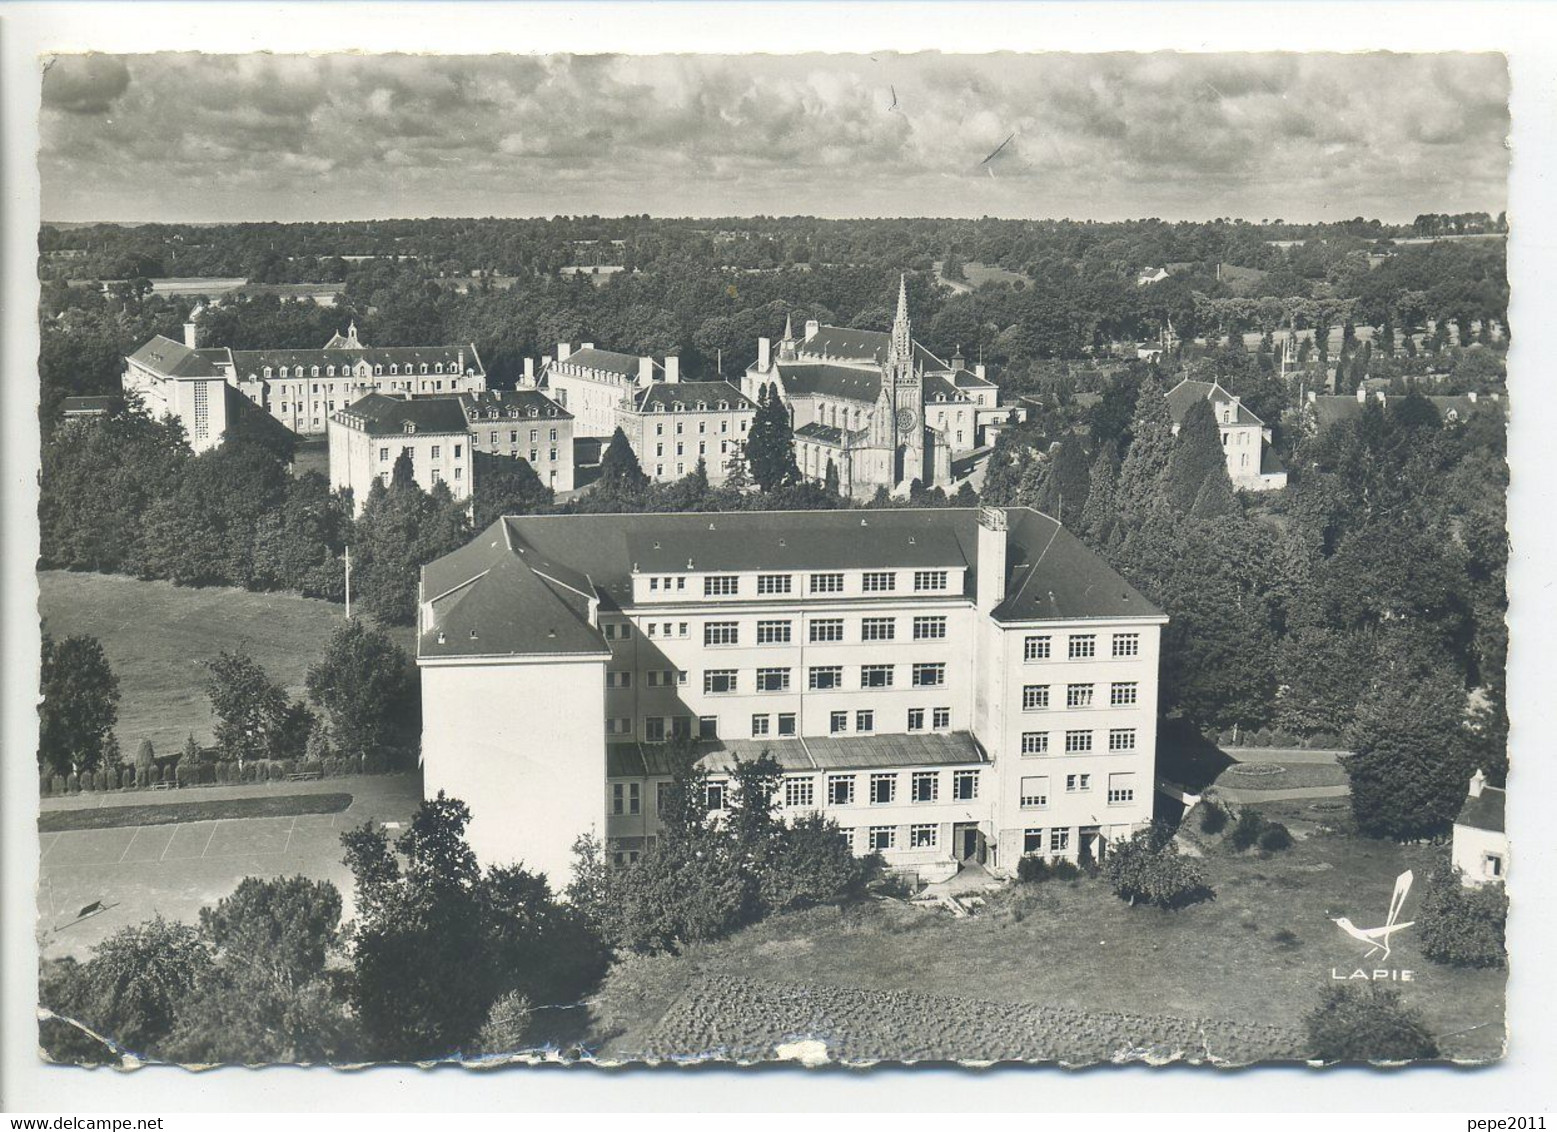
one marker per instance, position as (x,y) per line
(174,870)
(159,636)
(1261,951)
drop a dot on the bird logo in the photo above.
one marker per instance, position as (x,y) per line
(1377,939)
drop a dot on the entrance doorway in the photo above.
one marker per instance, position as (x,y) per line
(968,842)
(1091,845)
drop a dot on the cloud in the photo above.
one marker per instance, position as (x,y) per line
(1107,135)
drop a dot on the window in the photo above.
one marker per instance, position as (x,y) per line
(1032,841)
(925,786)
(1122,695)
(875,676)
(681,727)
(1035,697)
(1035,742)
(773,583)
(772,679)
(708,727)
(882,836)
(916,719)
(1035,648)
(1083,647)
(1059,840)
(654,729)
(929,628)
(827,629)
(865,720)
(619,727)
(619,679)
(1127,644)
(662,796)
(1035,792)
(759,726)
(773,632)
(878,629)
(929,580)
(383,454)
(838,723)
(719,681)
(941,718)
(626,798)
(826,583)
(825,678)
(786,723)
(878,581)
(929,675)
(1078,783)
(437,451)
(922,836)
(883,789)
(1492,866)
(965,785)
(720,585)
(713,794)
(1078,742)
(1121,739)
(840,789)
(1121,789)
(458,450)
(799,792)
(722,633)
(1078,695)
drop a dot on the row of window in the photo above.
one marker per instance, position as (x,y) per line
(1079,646)
(395,369)
(819,678)
(1120,740)
(763,724)
(821,630)
(872,581)
(702,427)
(681,450)
(513,436)
(626,798)
(1121,693)
(1035,789)
(437,453)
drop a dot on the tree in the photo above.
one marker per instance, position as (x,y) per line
(1103,478)
(251,709)
(402,528)
(80,705)
(137,980)
(1370,1022)
(1197,458)
(1463,926)
(621,477)
(370,690)
(1145,463)
(770,444)
(505,485)
(1066,483)
(1149,869)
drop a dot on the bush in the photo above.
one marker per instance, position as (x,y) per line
(45,782)
(1247,830)
(59,784)
(374,764)
(74,783)
(1032,869)
(313,766)
(1367,1022)
(508,1021)
(1065,869)
(1275,837)
(185,774)
(1213,818)
(1148,868)
(154,778)
(1261,738)
(1463,927)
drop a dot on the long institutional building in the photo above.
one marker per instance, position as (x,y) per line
(946,684)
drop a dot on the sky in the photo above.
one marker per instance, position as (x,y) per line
(191,137)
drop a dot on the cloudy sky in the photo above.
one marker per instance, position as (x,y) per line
(238,137)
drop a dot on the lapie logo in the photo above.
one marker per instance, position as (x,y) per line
(1378,939)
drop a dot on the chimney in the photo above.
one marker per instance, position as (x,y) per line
(645,372)
(1362,396)
(563,350)
(992,558)
(1471,396)
(764,355)
(462,360)
(1380,396)
(672,369)
(1313,396)
(812,326)
(978,371)
(586,345)
(190,338)
(529,372)
(1478,783)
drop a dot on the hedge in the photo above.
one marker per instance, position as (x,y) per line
(186,773)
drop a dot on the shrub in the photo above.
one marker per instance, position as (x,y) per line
(155,776)
(1280,738)
(1149,868)
(1064,869)
(74,782)
(1367,1022)
(1213,818)
(313,766)
(1275,837)
(131,777)
(1032,869)
(1247,830)
(374,764)
(1463,927)
(185,774)
(507,1023)
(44,784)
(59,784)
(1261,738)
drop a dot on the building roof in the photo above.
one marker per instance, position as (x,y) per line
(1187,392)
(378,414)
(842,343)
(1332,409)
(610,361)
(168,358)
(1050,574)
(967,379)
(252,363)
(824,379)
(797,755)
(1485,812)
(664,396)
(938,389)
(501,404)
(89,406)
(818,433)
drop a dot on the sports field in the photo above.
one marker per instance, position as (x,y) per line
(137,872)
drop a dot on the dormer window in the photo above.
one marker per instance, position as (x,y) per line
(409,427)
(378,369)
(424,367)
(267,373)
(315,371)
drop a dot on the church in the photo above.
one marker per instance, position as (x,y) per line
(876,407)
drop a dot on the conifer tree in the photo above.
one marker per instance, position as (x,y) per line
(1197,457)
(1103,479)
(621,476)
(1145,465)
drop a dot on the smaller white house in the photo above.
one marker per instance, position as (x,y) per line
(1480,842)
(1251,464)
(370,435)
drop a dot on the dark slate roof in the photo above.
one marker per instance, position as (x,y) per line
(1052,575)
(938,389)
(1187,392)
(174,359)
(663,396)
(818,433)
(252,363)
(89,405)
(481,407)
(1485,812)
(967,379)
(611,361)
(797,755)
(821,379)
(380,415)
(1333,409)
(841,343)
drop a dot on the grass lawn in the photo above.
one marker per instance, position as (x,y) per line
(174,813)
(159,636)
(1260,952)
(1281,776)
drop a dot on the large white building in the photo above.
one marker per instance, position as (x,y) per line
(368,437)
(1251,463)
(671,425)
(596,385)
(948,684)
(299,388)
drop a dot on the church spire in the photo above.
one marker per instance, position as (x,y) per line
(902,335)
(789,328)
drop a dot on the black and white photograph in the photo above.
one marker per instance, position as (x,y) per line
(844,558)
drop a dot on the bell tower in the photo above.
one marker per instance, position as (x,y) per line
(903,381)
